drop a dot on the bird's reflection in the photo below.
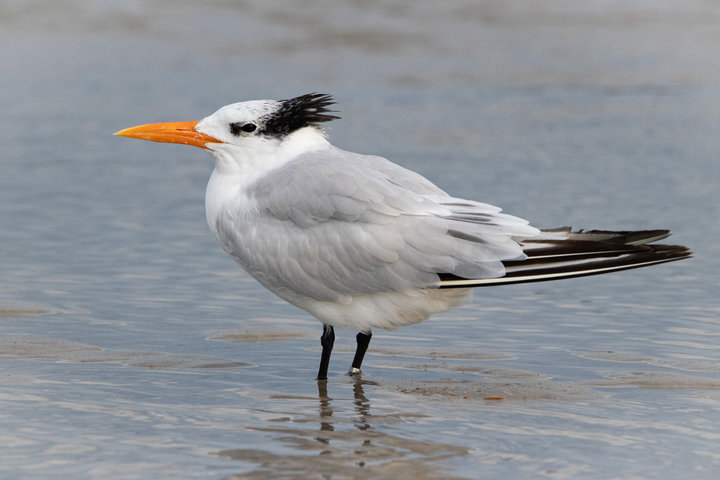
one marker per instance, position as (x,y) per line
(326,412)
(362,408)
(350,440)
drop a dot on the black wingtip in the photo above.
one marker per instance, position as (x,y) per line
(574,264)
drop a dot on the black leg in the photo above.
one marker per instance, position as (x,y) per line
(327,340)
(363,340)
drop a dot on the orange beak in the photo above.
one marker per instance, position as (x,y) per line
(172,132)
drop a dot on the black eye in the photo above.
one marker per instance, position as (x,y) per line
(236,128)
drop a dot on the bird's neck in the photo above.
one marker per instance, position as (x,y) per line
(237,167)
(256,159)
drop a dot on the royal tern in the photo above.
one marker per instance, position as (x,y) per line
(360,242)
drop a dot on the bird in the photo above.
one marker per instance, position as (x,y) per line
(360,242)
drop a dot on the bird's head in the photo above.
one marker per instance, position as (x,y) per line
(244,125)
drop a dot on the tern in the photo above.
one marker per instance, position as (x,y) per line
(360,242)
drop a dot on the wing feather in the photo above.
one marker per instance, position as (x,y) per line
(332,224)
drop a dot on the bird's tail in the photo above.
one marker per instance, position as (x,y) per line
(561,253)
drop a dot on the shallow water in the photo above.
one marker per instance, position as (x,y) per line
(132,347)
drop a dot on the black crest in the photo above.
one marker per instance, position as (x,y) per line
(299,112)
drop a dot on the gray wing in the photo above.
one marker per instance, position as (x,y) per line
(331,223)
